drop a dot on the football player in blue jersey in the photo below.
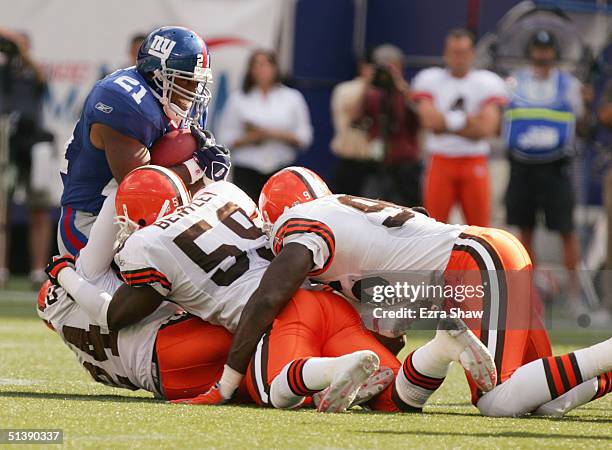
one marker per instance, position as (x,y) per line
(124,114)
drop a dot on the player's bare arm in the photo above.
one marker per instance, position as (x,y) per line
(132,304)
(605,115)
(430,117)
(279,283)
(483,125)
(124,154)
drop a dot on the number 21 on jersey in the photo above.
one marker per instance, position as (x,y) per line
(130,85)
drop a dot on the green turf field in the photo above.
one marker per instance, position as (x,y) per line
(42,386)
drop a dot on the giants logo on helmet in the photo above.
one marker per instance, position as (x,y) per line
(161,47)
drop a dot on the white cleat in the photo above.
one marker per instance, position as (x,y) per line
(475,357)
(378,382)
(346,382)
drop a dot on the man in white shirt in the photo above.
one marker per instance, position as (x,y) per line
(460,107)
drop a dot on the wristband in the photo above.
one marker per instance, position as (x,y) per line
(195,171)
(229,382)
(455,120)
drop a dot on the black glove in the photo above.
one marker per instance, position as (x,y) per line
(57,264)
(213,159)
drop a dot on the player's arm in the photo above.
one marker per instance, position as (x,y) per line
(605,114)
(128,306)
(430,117)
(90,298)
(284,276)
(279,283)
(124,153)
(483,125)
(132,304)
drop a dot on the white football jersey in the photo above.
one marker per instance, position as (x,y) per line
(467,94)
(352,238)
(208,257)
(120,359)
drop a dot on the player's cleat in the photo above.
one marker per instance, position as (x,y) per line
(212,397)
(346,382)
(474,356)
(378,382)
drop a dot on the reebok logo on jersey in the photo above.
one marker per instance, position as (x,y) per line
(104,108)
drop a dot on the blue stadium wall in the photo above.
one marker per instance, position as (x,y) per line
(324,56)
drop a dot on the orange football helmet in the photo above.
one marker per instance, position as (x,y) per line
(289,187)
(145,195)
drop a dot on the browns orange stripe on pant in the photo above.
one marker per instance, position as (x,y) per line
(313,324)
(510,326)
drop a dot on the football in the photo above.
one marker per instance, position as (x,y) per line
(173,148)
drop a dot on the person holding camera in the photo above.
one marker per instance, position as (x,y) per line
(392,128)
(31,146)
(350,143)
(461,109)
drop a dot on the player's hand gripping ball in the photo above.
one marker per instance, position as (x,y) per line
(213,159)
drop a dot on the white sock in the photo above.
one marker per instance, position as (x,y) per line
(546,379)
(435,357)
(303,377)
(415,385)
(526,389)
(281,395)
(580,395)
(595,360)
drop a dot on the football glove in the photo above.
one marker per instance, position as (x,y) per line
(212,397)
(213,159)
(57,265)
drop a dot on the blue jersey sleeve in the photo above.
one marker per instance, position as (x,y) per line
(123,114)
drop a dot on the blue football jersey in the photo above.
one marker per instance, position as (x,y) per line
(125,102)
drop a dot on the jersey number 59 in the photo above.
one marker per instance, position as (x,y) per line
(209,261)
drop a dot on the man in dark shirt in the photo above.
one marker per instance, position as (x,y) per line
(392,127)
(23,86)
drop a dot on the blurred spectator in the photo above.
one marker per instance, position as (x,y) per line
(135,43)
(604,115)
(392,126)
(350,143)
(546,109)
(265,124)
(461,109)
(30,145)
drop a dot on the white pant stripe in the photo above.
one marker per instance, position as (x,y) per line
(258,375)
(494,289)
